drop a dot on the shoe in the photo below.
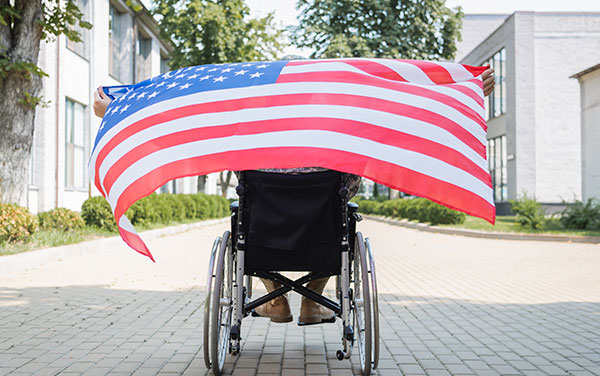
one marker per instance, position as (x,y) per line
(278,309)
(311,312)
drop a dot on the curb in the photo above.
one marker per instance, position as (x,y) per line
(32,259)
(485,234)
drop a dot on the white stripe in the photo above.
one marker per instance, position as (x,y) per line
(384,119)
(410,72)
(125,224)
(311,139)
(442,89)
(457,71)
(287,88)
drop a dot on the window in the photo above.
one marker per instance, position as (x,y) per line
(164,64)
(495,103)
(120,45)
(497,157)
(81,48)
(143,61)
(75,131)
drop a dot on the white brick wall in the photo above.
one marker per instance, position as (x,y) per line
(590,134)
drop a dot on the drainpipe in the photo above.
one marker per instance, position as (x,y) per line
(57,119)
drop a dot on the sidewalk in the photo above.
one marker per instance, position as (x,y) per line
(450,305)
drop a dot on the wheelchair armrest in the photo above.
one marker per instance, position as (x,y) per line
(233,207)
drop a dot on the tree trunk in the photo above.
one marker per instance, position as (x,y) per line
(224,182)
(21,42)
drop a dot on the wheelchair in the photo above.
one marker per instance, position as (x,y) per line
(295,223)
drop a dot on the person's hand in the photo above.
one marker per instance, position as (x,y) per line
(488,81)
(101,101)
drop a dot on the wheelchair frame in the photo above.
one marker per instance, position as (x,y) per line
(229,291)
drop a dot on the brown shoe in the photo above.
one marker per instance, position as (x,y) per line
(312,312)
(278,309)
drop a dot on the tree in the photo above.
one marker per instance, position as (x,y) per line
(214,32)
(415,29)
(23,25)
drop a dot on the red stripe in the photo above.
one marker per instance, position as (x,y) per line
(361,79)
(396,177)
(358,129)
(465,90)
(134,240)
(436,73)
(475,71)
(289,99)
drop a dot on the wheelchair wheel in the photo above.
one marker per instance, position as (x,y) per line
(207,302)
(374,304)
(361,306)
(221,305)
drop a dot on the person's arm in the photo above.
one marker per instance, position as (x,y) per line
(101,102)
(488,81)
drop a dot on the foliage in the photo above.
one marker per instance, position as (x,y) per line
(582,216)
(16,223)
(419,209)
(216,31)
(424,29)
(529,212)
(61,219)
(96,212)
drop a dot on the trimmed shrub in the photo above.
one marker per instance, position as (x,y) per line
(60,219)
(96,212)
(143,211)
(529,212)
(419,209)
(16,223)
(582,216)
(202,205)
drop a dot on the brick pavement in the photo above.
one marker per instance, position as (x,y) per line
(450,305)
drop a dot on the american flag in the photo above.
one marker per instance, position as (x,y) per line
(415,126)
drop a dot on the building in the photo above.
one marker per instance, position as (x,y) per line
(534,126)
(589,80)
(123,47)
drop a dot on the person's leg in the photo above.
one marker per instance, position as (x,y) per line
(278,309)
(312,312)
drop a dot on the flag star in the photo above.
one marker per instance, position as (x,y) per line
(142,94)
(124,108)
(261,66)
(256,75)
(180,76)
(153,95)
(184,86)
(172,85)
(115,110)
(241,71)
(192,76)
(226,70)
(212,70)
(205,77)
(247,65)
(187,69)
(200,68)
(161,84)
(219,79)
(152,84)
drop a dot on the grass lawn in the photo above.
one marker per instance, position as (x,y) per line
(508,224)
(55,238)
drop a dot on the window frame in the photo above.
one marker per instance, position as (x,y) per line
(70,105)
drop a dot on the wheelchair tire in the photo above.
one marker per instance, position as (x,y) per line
(361,306)
(207,302)
(374,304)
(221,305)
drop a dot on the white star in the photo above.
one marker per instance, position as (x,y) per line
(172,85)
(256,75)
(161,84)
(205,77)
(261,66)
(187,69)
(152,84)
(153,95)
(115,110)
(219,79)
(141,95)
(124,108)
(184,86)
(212,70)
(247,65)
(226,70)
(241,71)
(200,68)
(192,76)
(180,76)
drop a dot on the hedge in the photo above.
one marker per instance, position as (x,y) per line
(157,208)
(419,209)
(16,223)
(60,219)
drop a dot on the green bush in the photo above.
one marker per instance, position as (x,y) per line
(529,212)
(202,205)
(190,206)
(16,223)
(143,211)
(419,209)
(582,216)
(60,219)
(96,212)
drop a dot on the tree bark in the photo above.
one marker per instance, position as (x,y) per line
(21,41)
(224,182)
